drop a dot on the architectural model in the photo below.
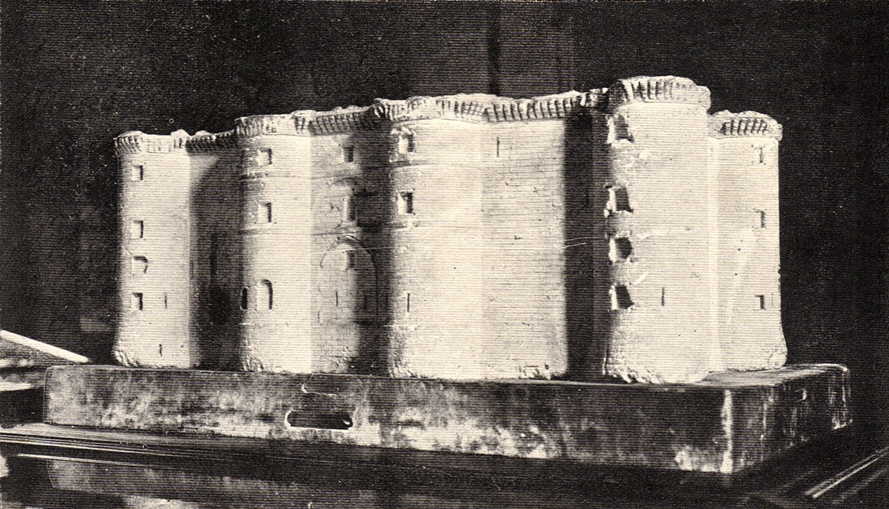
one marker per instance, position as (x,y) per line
(619,231)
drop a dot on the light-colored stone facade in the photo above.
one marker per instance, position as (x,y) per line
(619,231)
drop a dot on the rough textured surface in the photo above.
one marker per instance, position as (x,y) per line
(463,237)
(724,424)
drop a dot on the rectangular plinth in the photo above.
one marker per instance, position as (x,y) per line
(724,424)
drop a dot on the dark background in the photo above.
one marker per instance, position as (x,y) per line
(76,74)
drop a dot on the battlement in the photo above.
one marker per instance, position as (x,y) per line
(134,142)
(726,124)
(664,89)
(291,124)
(203,141)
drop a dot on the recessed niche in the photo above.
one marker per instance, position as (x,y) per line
(266,296)
(349,154)
(138,172)
(140,265)
(245,293)
(761,301)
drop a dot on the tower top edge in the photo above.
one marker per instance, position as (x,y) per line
(747,124)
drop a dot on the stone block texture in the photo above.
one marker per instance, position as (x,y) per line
(619,231)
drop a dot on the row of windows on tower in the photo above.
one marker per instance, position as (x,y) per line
(620,298)
(406,144)
(404,203)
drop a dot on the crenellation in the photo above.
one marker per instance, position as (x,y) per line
(746,124)
(462,236)
(666,89)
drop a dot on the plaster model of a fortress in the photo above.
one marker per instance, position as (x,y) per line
(619,231)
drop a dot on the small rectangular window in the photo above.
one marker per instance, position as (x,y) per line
(405,203)
(140,265)
(762,218)
(350,211)
(411,145)
(761,301)
(138,172)
(407,303)
(349,153)
(136,302)
(620,298)
(264,157)
(620,249)
(264,215)
(618,200)
(267,296)
(137,230)
(244,298)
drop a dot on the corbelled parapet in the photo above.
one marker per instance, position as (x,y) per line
(291,124)
(665,89)
(133,142)
(542,108)
(207,142)
(341,120)
(466,107)
(726,124)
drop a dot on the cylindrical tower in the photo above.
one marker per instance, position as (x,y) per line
(654,256)
(744,152)
(276,230)
(435,238)
(154,274)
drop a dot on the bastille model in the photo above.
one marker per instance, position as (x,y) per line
(619,231)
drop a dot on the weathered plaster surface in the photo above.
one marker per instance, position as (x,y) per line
(621,231)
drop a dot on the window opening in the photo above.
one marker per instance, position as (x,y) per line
(267,296)
(245,292)
(265,212)
(137,302)
(762,301)
(138,172)
(264,157)
(618,200)
(138,230)
(405,203)
(620,297)
(620,249)
(140,265)
(349,153)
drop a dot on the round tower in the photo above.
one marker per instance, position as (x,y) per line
(654,255)
(276,243)
(433,216)
(154,272)
(744,151)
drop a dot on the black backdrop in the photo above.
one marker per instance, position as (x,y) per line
(76,74)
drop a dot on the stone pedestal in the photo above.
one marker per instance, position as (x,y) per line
(725,424)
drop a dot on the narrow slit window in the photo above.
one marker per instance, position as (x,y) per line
(137,302)
(405,203)
(407,303)
(762,218)
(761,301)
(265,213)
(618,200)
(620,297)
(498,147)
(336,298)
(244,298)
(138,172)
(140,265)
(266,297)
(760,151)
(137,230)
(620,130)
(663,296)
(620,249)
(349,153)
(411,145)
(166,304)
(264,157)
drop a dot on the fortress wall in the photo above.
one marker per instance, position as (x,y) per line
(154,279)
(746,158)
(655,242)
(276,246)
(215,247)
(435,227)
(524,242)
